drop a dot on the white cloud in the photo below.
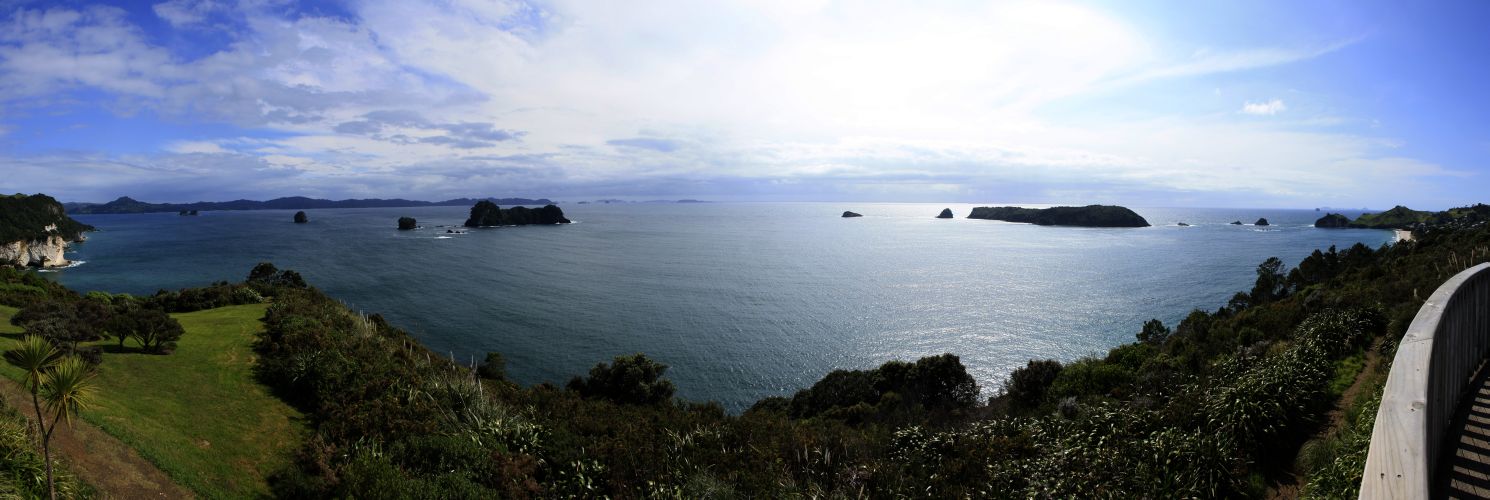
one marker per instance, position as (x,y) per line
(1267,108)
(183,13)
(572,95)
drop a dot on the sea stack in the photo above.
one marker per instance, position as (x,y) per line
(847,213)
(1261,222)
(946,214)
(407,223)
(1236,223)
(300,217)
(1332,221)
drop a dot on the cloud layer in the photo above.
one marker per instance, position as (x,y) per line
(750,100)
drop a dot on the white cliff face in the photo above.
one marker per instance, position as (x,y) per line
(39,253)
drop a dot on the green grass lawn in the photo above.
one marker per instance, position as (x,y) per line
(197,413)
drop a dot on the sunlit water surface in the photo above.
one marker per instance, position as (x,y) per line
(742,300)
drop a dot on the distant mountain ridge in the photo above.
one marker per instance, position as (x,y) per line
(127,205)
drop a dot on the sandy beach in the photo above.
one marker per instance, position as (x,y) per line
(1403,234)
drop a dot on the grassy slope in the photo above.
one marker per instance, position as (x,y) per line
(197,413)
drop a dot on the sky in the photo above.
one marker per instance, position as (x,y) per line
(1293,104)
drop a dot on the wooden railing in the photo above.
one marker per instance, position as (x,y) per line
(1441,351)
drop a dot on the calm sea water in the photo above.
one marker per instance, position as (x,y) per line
(743,300)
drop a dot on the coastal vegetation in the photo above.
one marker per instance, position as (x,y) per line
(27,218)
(1399,217)
(1087,216)
(1225,403)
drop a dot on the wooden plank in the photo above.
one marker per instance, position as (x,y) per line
(1422,390)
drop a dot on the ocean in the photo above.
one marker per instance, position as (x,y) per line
(741,300)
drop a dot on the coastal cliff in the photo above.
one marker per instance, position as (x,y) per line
(46,252)
(1087,216)
(35,231)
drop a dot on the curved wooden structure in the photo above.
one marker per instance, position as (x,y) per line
(1441,352)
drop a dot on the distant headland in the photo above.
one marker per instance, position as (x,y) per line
(1403,218)
(127,205)
(1087,216)
(35,231)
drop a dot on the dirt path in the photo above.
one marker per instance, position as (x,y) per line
(1288,486)
(110,466)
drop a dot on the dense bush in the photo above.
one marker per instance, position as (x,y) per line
(20,288)
(220,294)
(267,279)
(630,379)
(65,323)
(1027,386)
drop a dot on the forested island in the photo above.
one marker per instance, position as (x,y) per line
(487,214)
(127,205)
(35,231)
(1087,216)
(1275,389)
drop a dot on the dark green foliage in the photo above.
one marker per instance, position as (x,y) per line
(65,323)
(1027,386)
(300,217)
(153,329)
(1087,216)
(266,278)
(486,214)
(633,379)
(26,218)
(1091,377)
(1154,332)
(407,223)
(20,288)
(218,294)
(1332,221)
(895,391)
(1399,217)
(494,367)
(1272,283)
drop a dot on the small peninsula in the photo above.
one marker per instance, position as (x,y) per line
(847,213)
(1333,221)
(488,214)
(1399,217)
(1087,216)
(35,231)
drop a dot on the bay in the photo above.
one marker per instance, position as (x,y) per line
(742,300)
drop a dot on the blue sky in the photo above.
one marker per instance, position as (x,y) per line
(1256,104)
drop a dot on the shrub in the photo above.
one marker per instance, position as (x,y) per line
(1027,386)
(633,379)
